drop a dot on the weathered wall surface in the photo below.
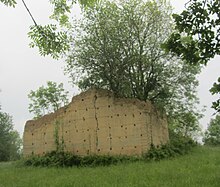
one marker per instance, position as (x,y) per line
(96,122)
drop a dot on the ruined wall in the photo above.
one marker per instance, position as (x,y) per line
(96,122)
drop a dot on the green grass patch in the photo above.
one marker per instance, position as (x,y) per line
(199,168)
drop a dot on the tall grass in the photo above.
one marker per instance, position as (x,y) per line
(200,168)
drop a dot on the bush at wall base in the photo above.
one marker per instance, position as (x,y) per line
(178,145)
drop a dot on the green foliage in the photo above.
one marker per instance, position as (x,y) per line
(159,153)
(128,61)
(10,142)
(65,159)
(200,24)
(118,47)
(60,10)
(200,168)
(48,40)
(59,142)
(9,2)
(212,134)
(216,90)
(185,122)
(178,145)
(47,99)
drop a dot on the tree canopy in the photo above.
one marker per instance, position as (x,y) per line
(197,36)
(10,142)
(117,46)
(212,135)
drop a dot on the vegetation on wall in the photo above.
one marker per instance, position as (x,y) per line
(117,46)
(59,141)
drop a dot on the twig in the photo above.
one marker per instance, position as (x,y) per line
(30,13)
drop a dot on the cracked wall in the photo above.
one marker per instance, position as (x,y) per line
(96,122)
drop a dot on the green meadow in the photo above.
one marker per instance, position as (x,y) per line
(199,168)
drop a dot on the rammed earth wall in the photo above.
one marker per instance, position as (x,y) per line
(96,122)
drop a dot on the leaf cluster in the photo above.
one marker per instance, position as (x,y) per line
(53,39)
(200,24)
(11,3)
(197,36)
(61,7)
(216,90)
(62,10)
(49,40)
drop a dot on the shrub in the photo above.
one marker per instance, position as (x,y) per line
(65,159)
(178,145)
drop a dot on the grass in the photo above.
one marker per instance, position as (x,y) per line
(200,168)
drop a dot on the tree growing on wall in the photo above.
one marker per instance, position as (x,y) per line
(118,47)
(10,142)
(47,99)
(123,53)
(197,36)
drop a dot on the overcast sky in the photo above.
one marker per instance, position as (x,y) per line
(22,69)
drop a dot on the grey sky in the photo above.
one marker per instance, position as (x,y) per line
(22,69)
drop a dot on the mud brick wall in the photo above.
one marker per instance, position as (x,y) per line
(96,122)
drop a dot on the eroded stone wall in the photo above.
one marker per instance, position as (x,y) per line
(96,122)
